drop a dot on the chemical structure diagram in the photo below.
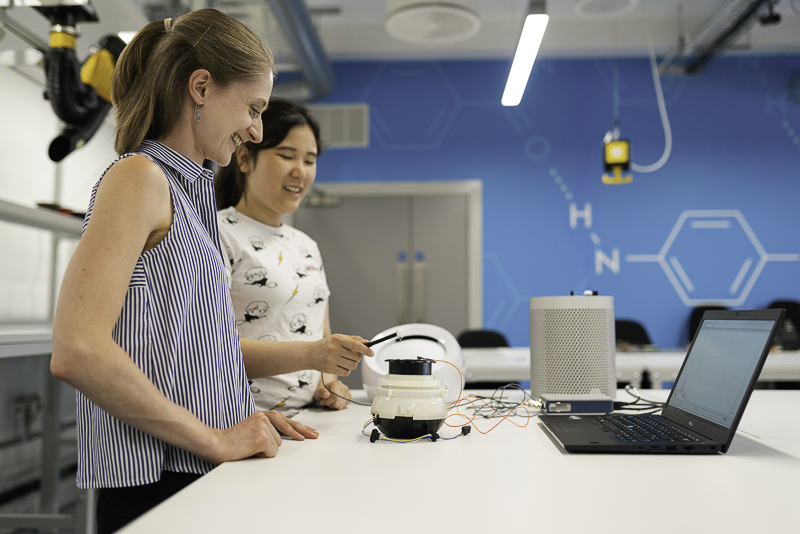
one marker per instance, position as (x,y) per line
(730,247)
(710,256)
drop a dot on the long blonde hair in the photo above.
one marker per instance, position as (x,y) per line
(150,78)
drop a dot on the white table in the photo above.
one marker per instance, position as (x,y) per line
(513,364)
(36,340)
(18,341)
(511,478)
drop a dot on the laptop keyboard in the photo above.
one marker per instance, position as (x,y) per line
(642,428)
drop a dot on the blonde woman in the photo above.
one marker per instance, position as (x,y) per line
(144,329)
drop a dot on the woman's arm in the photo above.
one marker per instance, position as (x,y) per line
(132,213)
(336,354)
(336,394)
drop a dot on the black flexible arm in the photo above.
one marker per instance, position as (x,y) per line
(74,102)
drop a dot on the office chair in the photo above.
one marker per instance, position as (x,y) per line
(629,332)
(792,308)
(697,315)
(788,337)
(632,332)
(481,339)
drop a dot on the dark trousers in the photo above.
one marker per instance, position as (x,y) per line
(116,507)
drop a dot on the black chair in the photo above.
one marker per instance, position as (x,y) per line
(628,333)
(481,339)
(788,337)
(792,308)
(631,332)
(696,316)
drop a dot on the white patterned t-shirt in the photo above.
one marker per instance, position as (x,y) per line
(279,293)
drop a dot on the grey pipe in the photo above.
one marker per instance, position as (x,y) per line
(295,21)
(22,32)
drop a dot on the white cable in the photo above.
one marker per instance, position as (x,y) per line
(662,110)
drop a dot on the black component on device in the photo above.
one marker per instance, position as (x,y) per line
(374,435)
(68,15)
(420,366)
(381,340)
(408,427)
(419,336)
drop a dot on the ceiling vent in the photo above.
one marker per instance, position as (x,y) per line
(342,125)
(604,9)
(433,23)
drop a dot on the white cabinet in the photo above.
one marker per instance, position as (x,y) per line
(397,253)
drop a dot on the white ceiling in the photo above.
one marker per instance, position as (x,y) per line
(354,29)
(358,32)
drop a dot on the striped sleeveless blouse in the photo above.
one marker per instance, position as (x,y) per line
(177,324)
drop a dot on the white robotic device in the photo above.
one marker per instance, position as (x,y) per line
(416,340)
(409,380)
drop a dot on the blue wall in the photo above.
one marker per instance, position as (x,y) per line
(729,194)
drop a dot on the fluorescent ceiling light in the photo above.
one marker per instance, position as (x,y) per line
(126,36)
(527,48)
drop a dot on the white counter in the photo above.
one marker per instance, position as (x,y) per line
(26,340)
(512,478)
(513,364)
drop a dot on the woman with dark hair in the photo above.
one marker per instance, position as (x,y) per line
(278,284)
(144,329)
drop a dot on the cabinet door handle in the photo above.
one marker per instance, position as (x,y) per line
(401,286)
(419,287)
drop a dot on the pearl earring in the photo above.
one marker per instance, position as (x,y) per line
(197,112)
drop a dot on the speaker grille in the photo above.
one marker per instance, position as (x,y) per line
(572,351)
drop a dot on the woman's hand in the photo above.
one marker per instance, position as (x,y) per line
(327,398)
(338,354)
(290,427)
(254,436)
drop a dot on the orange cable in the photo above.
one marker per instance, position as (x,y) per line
(467,399)
(472,419)
(460,382)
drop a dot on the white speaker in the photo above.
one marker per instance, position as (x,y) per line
(573,345)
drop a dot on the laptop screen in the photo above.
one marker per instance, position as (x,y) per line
(719,367)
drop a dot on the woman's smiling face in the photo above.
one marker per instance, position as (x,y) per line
(278,178)
(235,115)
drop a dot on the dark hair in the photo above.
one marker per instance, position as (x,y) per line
(280,118)
(149,81)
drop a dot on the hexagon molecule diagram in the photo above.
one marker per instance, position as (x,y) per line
(712,256)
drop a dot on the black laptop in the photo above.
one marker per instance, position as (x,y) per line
(706,402)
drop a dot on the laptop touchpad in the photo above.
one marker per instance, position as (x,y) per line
(569,426)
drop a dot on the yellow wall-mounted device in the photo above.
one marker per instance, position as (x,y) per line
(617,158)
